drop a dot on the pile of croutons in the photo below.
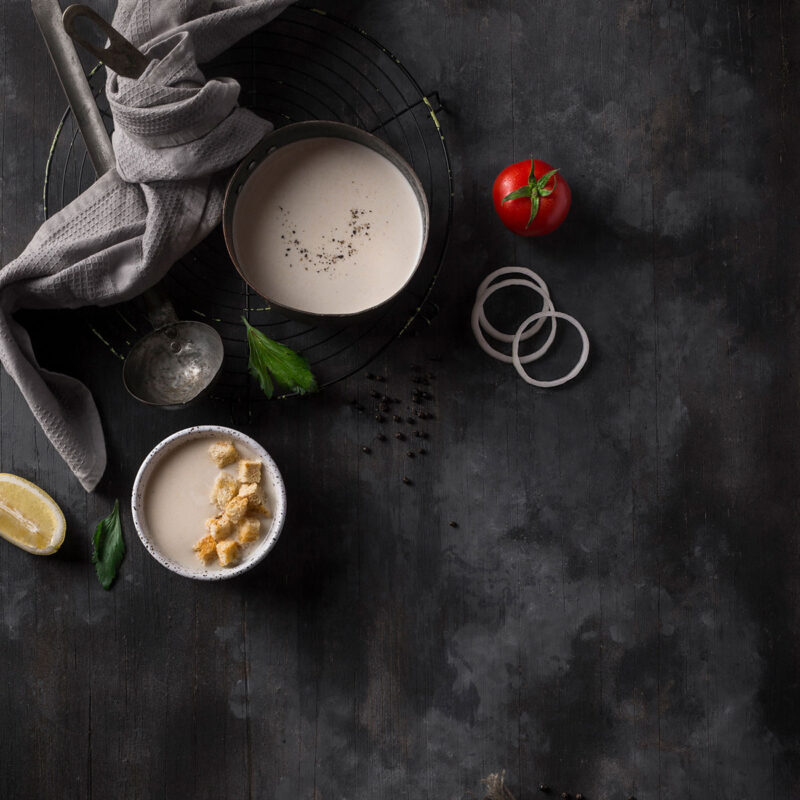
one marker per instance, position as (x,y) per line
(240,503)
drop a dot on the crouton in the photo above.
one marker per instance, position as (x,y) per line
(236,509)
(260,508)
(228,552)
(223,490)
(219,527)
(223,453)
(249,471)
(206,549)
(252,492)
(248,530)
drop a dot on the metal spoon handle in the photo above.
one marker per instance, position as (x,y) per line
(158,307)
(76,87)
(118,55)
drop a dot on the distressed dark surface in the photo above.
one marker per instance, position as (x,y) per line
(617,612)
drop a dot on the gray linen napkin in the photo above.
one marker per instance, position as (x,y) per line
(174,134)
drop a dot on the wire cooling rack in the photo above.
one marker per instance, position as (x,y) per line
(304,65)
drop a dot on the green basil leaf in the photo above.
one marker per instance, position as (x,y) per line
(270,361)
(109,547)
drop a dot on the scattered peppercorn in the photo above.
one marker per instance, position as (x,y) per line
(397,418)
(421,434)
(400,436)
(411,421)
(383,407)
(543,787)
(454,524)
(378,418)
(564,795)
(380,379)
(371,377)
(422,451)
(366,450)
(374,394)
(410,454)
(381,437)
(407,481)
(579,796)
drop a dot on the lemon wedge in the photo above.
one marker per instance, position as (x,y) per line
(29,517)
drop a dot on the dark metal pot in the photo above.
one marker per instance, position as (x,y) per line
(309,130)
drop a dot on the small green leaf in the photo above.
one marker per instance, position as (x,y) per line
(270,361)
(524,191)
(534,209)
(109,547)
(542,182)
(531,176)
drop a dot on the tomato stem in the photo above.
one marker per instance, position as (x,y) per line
(534,191)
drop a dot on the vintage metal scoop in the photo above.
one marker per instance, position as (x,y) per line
(178,361)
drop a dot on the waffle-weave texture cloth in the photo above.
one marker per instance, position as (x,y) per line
(175,137)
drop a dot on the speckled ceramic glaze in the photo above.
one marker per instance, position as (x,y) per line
(170,444)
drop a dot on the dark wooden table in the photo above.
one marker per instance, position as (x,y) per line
(617,611)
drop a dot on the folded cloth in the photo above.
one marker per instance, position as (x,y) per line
(174,134)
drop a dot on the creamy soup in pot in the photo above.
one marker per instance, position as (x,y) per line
(327,226)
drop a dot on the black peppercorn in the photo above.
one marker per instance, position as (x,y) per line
(378,418)
(407,481)
(366,450)
(374,394)
(381,437)
(543,787)
(370,376)
(454,524)
(397,418)
(400,436)
(410,454)
(422,451)
(380,378)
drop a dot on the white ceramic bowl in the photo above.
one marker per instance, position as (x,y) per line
(270,474)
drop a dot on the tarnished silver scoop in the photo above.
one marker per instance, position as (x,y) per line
(178,361)
(175,363)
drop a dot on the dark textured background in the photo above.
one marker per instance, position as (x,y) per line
(617,612)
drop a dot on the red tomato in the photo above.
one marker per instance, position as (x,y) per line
(531,202)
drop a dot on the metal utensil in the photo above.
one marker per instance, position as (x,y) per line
(179,360)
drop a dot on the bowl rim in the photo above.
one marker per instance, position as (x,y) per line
(324,129)
(139,490)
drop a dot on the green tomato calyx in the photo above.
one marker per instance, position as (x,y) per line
(534,191)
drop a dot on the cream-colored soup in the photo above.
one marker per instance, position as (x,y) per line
(327,226)
(177,500)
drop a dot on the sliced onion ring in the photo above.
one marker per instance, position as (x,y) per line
(518,362)
(487,326)
(481,339)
